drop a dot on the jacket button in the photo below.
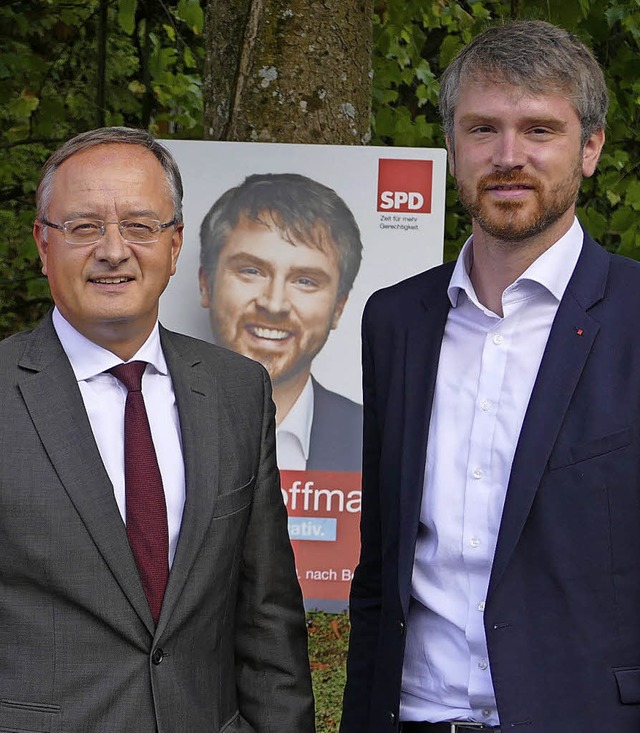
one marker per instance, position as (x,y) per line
(401,628)
(392,718)
(157,656)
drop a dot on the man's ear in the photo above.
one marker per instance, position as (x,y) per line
(591,152)
(176,245)
(40,236)
(203,280)
(337,310)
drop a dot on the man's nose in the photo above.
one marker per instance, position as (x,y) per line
(509,151)
(273,297)
(111,247)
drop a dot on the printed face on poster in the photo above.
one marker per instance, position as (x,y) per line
(283,245)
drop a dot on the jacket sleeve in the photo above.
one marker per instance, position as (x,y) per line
(272,666)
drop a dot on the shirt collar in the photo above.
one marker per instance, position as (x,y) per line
(298,421)
(552,269)
(88,359)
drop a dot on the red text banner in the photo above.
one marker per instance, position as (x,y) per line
(324,527)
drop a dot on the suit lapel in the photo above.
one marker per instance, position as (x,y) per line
(568,347)
(421,355)
(197,400)
(51,395)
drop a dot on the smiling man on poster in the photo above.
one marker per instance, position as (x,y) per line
(279,254)
(498,587)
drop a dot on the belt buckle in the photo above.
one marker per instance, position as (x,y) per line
(461,727)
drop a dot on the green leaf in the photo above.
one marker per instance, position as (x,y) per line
(189,59)
(614,14)
(127,15)
(632,196)
(191,13)
(623,219)
(449,48)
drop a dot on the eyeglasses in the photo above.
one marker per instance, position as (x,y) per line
(90,231)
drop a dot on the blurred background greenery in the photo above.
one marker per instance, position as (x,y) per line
(71,65)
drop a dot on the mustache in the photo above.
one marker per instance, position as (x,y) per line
(507,178)
(265,321)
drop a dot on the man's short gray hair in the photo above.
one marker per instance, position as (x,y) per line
(538,58)
(109,136)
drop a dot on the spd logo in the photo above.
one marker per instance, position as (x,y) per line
(405,185)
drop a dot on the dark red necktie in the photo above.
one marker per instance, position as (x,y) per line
(146,509)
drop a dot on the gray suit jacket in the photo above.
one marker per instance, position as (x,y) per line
(78,649)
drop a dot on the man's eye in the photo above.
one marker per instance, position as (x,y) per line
(250,271)
(138,226)
(83,227)
(307,282)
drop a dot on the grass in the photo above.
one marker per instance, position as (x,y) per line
(328,642)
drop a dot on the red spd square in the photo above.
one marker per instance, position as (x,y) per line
(405,186)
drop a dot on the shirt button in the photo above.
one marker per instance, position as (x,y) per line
(157,656)
(486,712)
(481,606)
(477,473)
(474,542)
(497,339)
(485,405)
(483,664)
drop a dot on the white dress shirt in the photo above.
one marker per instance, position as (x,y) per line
(293,435)
(104,398)
(487,369)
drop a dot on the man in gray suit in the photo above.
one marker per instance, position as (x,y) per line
(85,645)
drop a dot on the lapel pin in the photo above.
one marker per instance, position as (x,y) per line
(579,331)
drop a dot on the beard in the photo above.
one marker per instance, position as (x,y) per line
(516,221)
(303,343)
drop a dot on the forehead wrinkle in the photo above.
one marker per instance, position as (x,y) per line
(142,173)
(528,119)
(126,214)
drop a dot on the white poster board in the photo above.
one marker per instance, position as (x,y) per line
(397,197)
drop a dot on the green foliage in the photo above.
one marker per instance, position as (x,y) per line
(54,83)
(415,40)
(328,643)
(51,73)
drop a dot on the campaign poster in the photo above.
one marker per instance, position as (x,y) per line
(283,245)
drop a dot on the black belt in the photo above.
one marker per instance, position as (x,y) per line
(447,728)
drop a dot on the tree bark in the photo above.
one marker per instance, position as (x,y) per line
(288,70)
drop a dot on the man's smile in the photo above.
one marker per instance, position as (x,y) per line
(270,334)
(110,280)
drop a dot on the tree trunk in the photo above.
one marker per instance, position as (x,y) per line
(296,71)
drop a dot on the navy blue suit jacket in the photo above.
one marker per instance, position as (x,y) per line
(562,614)
(336,432)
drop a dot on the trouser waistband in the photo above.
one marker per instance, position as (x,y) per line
(447,728)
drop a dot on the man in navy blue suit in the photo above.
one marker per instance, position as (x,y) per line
(499,581)
(278,257)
